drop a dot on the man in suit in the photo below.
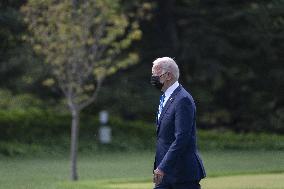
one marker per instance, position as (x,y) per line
(177,163)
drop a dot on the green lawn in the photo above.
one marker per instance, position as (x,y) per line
(262,181)
(227,169)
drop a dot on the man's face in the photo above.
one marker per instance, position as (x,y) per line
(158,71)
(164,78)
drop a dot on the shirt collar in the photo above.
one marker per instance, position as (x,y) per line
(171,89)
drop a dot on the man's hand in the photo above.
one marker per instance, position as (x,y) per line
(158,176)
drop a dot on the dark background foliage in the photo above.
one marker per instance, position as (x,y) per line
(230,54)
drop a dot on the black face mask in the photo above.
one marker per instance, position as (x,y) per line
(155,81)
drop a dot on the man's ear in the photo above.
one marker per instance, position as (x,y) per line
(170,76)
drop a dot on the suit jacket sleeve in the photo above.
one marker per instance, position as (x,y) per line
(184,119)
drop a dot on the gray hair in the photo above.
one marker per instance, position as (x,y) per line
(167,64)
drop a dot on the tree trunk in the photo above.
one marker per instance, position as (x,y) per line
(74,143)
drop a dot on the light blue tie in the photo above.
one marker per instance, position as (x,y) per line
(162,99)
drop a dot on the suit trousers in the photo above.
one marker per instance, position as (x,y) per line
(184,185)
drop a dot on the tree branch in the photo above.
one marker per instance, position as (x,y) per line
(93,97)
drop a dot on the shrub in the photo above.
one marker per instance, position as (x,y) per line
(41,130)
(228,140)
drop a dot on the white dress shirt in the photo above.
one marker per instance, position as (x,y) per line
(170,91)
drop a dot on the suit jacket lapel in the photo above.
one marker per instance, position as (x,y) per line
(169,102)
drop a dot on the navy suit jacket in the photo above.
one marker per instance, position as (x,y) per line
(176,150)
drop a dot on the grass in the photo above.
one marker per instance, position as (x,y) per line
(263,181)
(227,169)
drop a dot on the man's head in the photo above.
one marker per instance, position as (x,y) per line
(165,72)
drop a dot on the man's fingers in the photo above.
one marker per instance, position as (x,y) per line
(155,178)
(158,178)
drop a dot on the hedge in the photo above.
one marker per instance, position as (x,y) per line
(32,130)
